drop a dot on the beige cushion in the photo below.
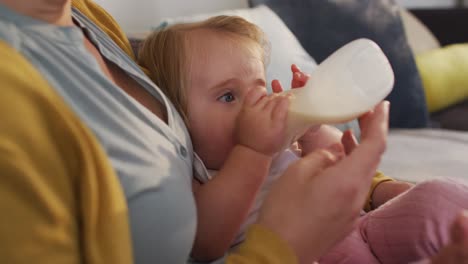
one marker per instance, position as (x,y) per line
(420,38)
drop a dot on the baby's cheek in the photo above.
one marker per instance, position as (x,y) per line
(220,142)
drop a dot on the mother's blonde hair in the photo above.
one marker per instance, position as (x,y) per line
(164,52)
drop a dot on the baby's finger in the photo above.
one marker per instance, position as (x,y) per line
(295,68)
(279,111)
(264,103)
(253,96)
(299,79)
(270,102)
(296,83)
(296,149)
(276,86)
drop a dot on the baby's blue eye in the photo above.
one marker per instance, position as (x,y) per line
(227,97)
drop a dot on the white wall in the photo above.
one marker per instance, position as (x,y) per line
(427,3)
(141,15)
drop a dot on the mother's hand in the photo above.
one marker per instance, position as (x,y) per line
(318,199)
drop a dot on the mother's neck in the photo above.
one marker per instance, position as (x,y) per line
(57,12)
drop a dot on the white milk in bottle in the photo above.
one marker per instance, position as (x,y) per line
(347,84)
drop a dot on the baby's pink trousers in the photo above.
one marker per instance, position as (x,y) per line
(413,226)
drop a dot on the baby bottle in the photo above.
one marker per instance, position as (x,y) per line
(347,84)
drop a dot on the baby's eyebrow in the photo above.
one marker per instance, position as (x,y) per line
(223,83)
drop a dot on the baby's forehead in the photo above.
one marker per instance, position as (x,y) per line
(204,37)
(203,41)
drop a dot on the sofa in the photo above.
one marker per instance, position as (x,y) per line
(423,154)
(422,144)
(454,117)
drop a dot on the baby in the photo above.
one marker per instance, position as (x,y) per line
(214,73)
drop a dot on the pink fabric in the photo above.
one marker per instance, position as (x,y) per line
(408,228)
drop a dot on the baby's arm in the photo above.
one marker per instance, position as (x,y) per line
(388,190)
(224,202)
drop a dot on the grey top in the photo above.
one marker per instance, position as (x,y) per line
(153,160)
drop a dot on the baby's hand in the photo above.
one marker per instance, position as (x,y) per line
(299,79)
(318,137)
(261,124)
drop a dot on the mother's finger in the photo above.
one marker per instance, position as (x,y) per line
(374,125)
(318,161)
(349,141)
(373,141)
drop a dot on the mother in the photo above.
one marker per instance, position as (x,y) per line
(84,135)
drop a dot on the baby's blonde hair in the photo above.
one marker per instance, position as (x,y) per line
(165,52)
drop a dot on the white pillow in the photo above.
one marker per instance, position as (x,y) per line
(285,48)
